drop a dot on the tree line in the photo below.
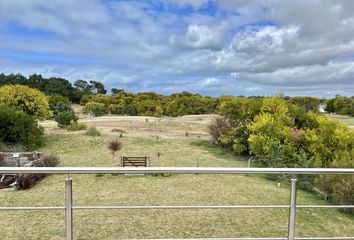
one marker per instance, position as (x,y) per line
(55,85)
(341,105)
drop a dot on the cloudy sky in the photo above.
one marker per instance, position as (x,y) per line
(213,47)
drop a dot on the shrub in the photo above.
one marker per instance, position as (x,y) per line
(50,161)
(29,100)
(85,99)
(58,103)
(16,127)
(220,127)
(59,108)
(130,110)
(65,118)
(76,126)
(95,108)
(93,132)
(114,146)
(26,181)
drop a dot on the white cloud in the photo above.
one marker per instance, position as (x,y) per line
(196,4)
(204,37)
(283,45)
(211,82)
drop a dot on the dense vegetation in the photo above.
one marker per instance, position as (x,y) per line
(279,133)
(19,128)
(29,100)
(149,104)
(55,85)
(20,108)
(341,105)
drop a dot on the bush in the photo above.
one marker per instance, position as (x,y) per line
(95,108)
(16,127)
(93,132)
(50,161)
(220,127)
(58,103)
(76,126)
(26,181)
(130,110)
(65,118)
(29,100)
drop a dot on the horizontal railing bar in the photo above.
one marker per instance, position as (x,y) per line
(297,238)
(31,208)
(324,206)
(181,207)
(180,170)
(305,238)
(211,238)
(177,207)
(325,238)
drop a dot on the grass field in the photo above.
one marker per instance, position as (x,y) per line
(77,149)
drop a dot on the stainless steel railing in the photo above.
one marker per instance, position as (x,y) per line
(292,206)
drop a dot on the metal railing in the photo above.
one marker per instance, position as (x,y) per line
(292,206)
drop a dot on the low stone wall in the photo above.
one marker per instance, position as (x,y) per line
(18,159)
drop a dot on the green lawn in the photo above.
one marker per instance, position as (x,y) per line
(76,149)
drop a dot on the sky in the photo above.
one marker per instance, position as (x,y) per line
(212,47)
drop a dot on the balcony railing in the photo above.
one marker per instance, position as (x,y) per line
(292,206)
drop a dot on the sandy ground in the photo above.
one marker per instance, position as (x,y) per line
(193,126)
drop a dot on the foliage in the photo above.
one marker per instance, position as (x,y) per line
(90,88)
(55,85)
(16,127)
(93,132)
(148,108)
(27,99)
(281,133)
(95,108)
(341,105)
(307,103)
(220,129)
(59,103)
(114,146)
(76,126)
(130,110)
(65,118)
(148,104)
(63,113)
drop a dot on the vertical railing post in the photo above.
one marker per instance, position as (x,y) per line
(68,209)
(292,210)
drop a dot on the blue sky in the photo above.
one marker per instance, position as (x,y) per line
(213,47)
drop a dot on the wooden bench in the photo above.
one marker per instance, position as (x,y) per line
(135,161)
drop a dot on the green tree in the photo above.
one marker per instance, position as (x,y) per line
(16,127)
(307,103)
(31,101)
